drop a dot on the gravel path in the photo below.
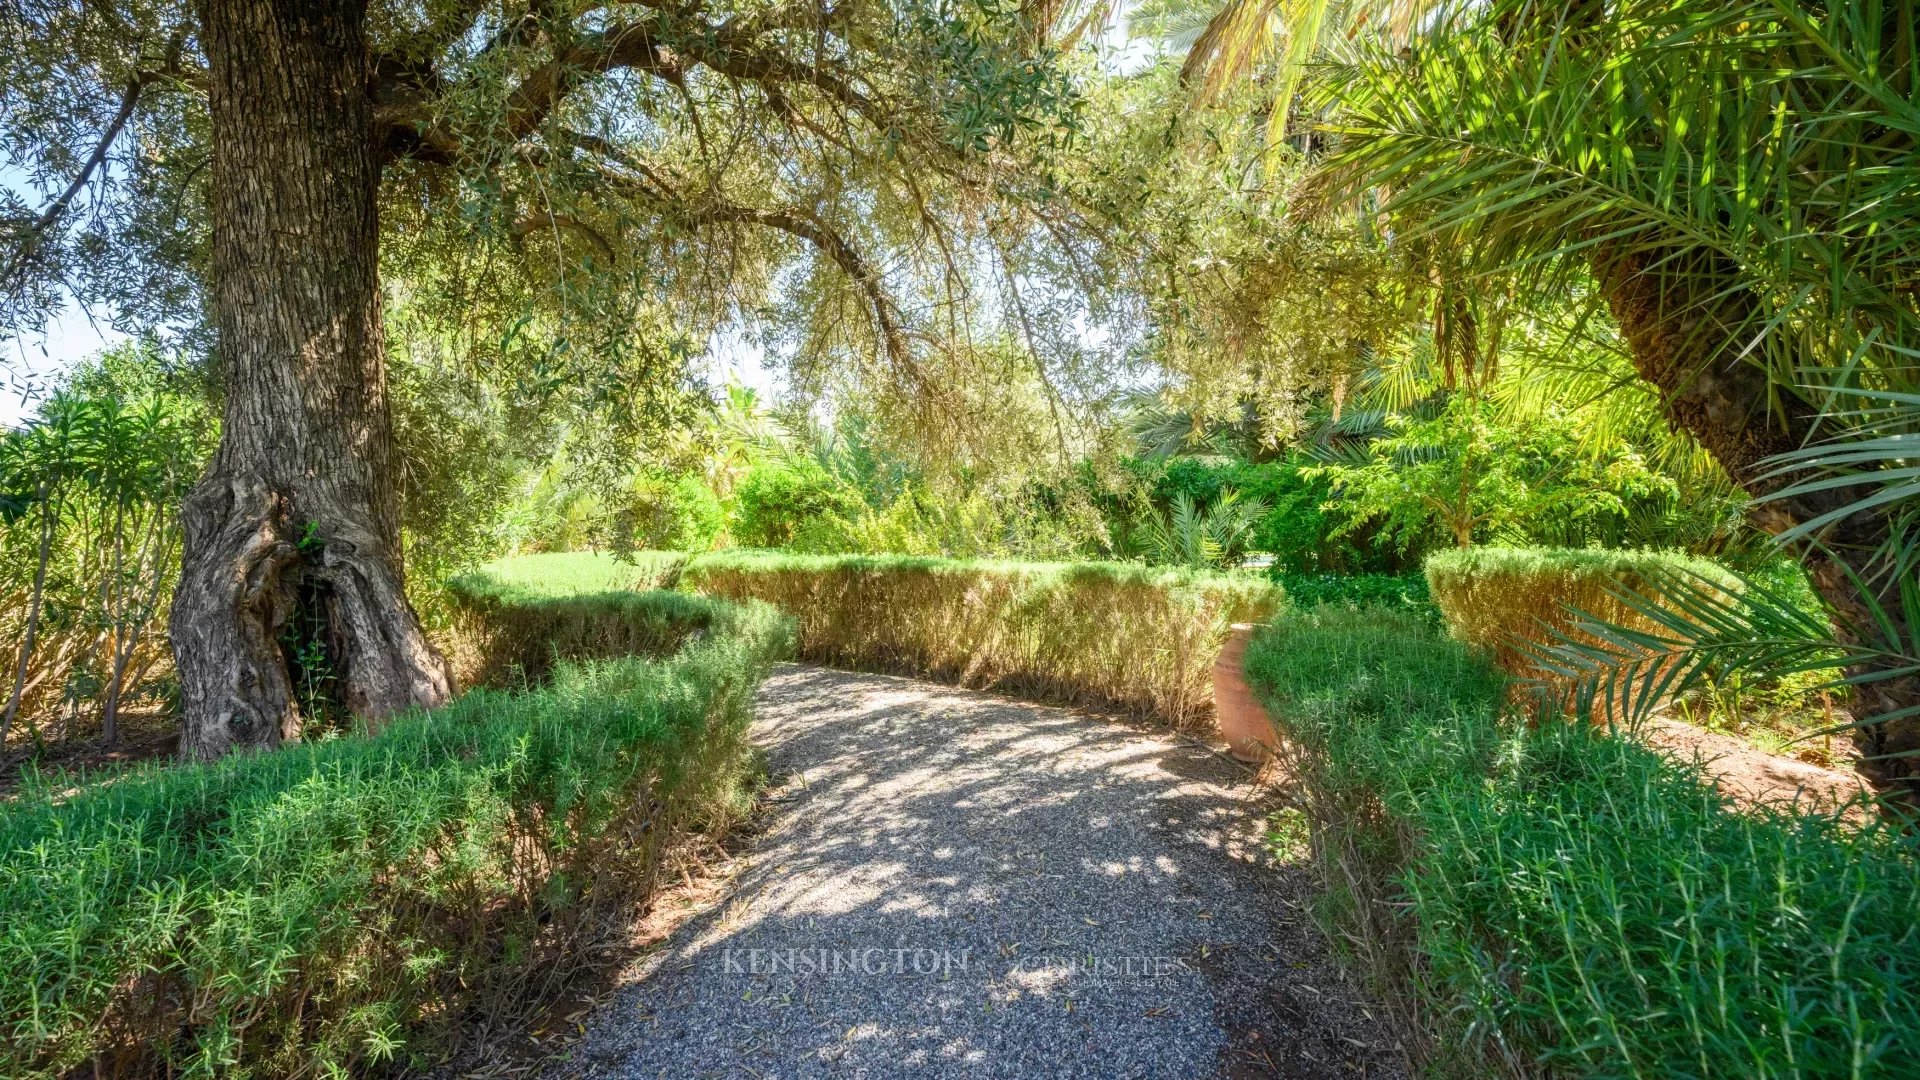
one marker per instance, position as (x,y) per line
(955,884)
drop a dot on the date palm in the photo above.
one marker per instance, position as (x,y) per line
(1737,180)
(1273,41)
(1189,535)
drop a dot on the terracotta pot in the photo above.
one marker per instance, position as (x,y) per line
(1244,722)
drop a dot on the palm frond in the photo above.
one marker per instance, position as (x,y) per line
(1745,138)
(1276,40)
(1699,628)
(1874,462)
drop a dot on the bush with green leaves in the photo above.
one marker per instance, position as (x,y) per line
(1294,524)
(1554,899)
(89,493)
(340,903)
(1298,529)
(661,513)
(1468,473)
(1402,591)
(794,503)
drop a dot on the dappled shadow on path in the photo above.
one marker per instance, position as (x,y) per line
(958,884)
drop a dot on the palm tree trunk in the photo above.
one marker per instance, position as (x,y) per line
(1686,332)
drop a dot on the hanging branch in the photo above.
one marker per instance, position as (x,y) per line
(57,209)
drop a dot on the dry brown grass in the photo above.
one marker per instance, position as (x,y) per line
(1512,601)
(1131,638)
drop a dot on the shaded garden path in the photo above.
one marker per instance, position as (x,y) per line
(957,884)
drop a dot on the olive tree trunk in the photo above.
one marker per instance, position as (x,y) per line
(1686,332)
(292,553)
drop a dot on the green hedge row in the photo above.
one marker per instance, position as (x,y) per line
(1115,635)
(570,573)
(341,902)
(1556,900)
(510,625)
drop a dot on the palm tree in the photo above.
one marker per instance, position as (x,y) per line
(1188,535)
(1273,41)
(1736,178)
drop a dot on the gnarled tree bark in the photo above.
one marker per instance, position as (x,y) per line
(296,523)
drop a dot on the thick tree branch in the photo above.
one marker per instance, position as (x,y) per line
(633,46)
(669,46)
(407,130)
(735,55)
(171,72)
(637,172)
(636,178)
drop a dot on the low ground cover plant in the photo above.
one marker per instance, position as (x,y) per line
(1555,898)
(342,902)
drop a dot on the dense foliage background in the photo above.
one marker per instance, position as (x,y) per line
(1038,346)
(1188,287)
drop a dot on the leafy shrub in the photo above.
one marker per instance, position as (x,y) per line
(463,460)
(1296,530)
(1501,599)
(1560,900)
(331,904)
(1473,472)
(663,514)
(1293,527)
(1118,635)
(1408,591)
(89,541)
(1198,478)
(794,503)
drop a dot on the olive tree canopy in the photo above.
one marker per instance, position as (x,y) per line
(580,187)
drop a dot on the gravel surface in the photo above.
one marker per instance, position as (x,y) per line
(955,884)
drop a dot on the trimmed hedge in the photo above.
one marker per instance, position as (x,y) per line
(339,903)
(1502,599)
(1123,636)
(1115,635)
(1559,900)
(551,575)
(511,623)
